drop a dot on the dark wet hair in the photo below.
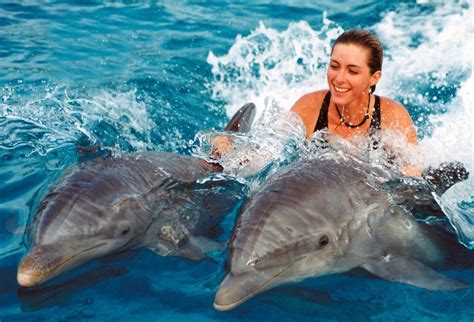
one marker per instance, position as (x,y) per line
(367,40)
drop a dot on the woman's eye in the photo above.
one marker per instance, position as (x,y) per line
(353,72)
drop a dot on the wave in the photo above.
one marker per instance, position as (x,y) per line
(55,119)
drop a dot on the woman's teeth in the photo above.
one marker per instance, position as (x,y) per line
(340,89)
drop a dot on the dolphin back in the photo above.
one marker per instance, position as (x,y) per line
(89,190)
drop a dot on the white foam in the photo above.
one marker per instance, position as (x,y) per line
(453,136)
(271,64)
(122,111)
(53,119)
(251,152)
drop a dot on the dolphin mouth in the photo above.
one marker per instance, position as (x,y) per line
(230,293)
(236,289)
(29,275)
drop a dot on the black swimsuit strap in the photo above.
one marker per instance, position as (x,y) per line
(375,124)
(322,122)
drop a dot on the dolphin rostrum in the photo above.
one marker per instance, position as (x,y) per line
(330,215)
(162,201)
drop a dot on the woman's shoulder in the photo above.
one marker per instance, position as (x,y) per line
(394,115)
(392,109)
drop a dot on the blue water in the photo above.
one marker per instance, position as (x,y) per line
(134,76)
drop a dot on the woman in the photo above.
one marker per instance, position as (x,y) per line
(349,108)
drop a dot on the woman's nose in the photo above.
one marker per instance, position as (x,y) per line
(340,76)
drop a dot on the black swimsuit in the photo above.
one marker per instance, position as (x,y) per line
(322,122)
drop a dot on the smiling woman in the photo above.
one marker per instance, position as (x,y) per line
(349,108)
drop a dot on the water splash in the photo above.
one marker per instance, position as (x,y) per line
(271,141)
(55,119)
(268,64)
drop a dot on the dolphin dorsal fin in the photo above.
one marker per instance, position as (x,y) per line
(242,119)
(409,271)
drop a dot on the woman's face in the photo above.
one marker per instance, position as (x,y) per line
(348,74)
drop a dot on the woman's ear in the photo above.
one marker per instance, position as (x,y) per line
(374,79)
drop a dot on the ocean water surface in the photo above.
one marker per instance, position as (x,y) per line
(134,76)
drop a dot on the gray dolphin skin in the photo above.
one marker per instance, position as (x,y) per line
(107,205)
(327,216)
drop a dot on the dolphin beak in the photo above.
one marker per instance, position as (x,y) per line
(27,278)
(236,289)
(45,262)
(41,264)
(30,272)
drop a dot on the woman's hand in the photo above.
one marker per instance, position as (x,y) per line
(411,170)
(221,145)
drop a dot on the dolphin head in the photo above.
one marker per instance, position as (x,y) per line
(252,273)
(291,229)
(81,220)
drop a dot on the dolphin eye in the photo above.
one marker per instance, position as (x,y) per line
(323,240)
(125,231)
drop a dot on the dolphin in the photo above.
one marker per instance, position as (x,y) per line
(161,201)
(329,215)
(103,206)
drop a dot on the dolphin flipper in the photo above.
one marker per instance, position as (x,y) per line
(197,247)
(194,248)
(410,271)
(185,235)
(242,119)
